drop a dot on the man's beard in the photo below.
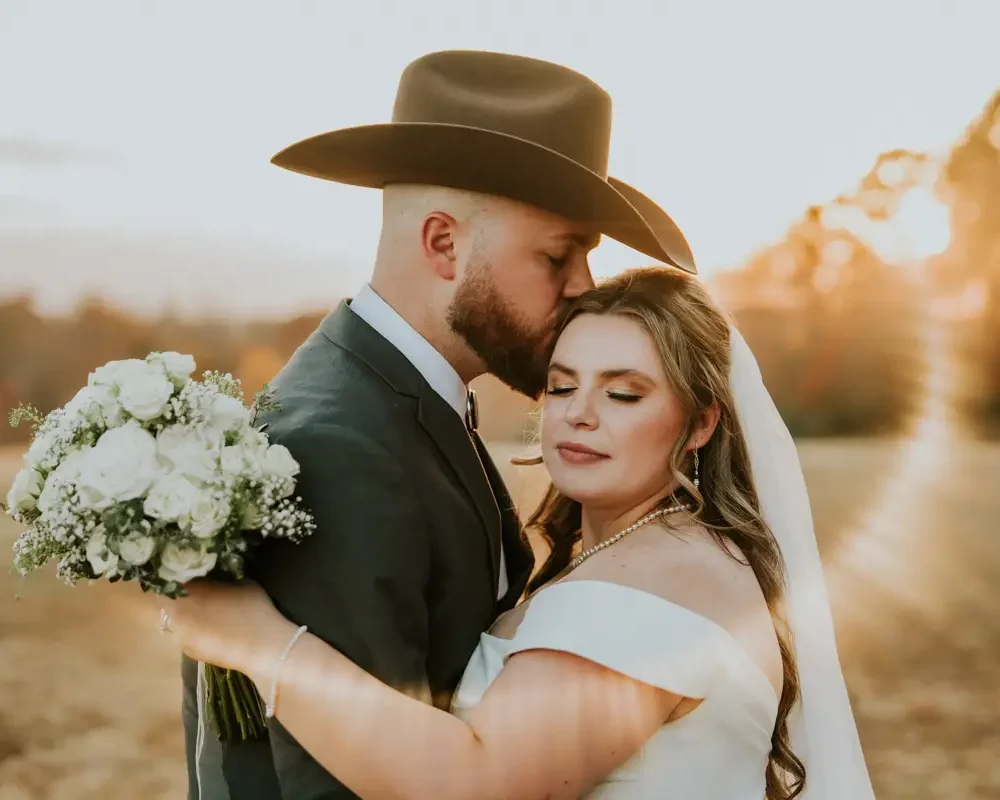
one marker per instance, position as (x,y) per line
(511,351)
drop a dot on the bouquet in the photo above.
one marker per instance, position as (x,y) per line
(148,475)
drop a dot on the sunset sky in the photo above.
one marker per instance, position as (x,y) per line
(152,123)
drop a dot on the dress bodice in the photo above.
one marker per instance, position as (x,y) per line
(718,751)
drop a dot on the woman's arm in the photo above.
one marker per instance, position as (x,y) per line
(550,726)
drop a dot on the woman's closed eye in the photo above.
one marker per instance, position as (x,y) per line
(624,397)
(619,395)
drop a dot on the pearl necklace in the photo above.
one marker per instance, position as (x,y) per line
(662,512)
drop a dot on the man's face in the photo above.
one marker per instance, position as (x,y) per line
(521,269)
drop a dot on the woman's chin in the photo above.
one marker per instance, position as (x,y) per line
(585,492)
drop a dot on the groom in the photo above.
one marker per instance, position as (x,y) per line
(494,170)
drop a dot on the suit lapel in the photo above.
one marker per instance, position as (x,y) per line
(470,461)
(450,435)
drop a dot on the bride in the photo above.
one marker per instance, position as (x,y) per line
(677,642)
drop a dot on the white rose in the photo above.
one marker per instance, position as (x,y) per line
(189,450)
(107,375)
(208,515)
(24,491)
(137,548)
(278,462)
(65,474)
(227,413)
(182,564)
(97,405)
(101,559)
(171,498)
(84,404)
(121,466)
(71,465)
(235,460)
(177,366)
(143,390)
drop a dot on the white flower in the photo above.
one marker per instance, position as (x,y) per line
(172,498)
(182,564)
(107,375)
(101,559)
(137,548)
(71,464)
(143,390)
(252,439)
(24,492)
(235,460)
(208,515)
(277,461)
(245,455)
(189,450)
(97,405)
(64,476)
(227,413)
(121,466)
(177,366)
(44,442)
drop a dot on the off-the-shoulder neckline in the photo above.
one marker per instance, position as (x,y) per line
(734,642)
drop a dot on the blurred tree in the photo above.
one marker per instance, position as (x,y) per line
(969,270)
(258,364)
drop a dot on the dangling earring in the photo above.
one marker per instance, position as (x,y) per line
(697,479)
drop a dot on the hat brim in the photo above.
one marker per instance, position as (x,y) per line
(495,163)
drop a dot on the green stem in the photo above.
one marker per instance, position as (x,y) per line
(235,705)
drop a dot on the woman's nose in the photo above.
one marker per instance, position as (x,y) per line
(580,412)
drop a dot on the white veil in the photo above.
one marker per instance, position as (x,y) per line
(822,727)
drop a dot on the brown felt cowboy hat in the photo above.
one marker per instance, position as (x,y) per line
(504,125)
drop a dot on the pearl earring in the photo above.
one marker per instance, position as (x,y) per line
(697,479)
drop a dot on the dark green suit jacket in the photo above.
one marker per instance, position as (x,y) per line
(401,574)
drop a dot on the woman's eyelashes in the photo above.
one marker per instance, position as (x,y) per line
(625,397)
(617,395)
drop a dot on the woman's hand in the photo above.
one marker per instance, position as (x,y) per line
(235,627)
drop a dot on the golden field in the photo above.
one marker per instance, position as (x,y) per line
(92,697)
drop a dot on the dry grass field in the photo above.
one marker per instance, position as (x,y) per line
(91,694)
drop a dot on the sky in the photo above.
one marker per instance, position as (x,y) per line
(154,122)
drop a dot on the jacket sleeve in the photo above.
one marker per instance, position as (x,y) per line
(358,582)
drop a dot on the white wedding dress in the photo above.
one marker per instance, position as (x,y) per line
(718,751)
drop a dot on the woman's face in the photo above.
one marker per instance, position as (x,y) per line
(609,418)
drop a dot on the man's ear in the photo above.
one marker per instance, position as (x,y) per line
(437,240)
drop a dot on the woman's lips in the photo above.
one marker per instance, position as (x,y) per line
(575,453)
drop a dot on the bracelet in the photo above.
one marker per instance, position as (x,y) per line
(269,711)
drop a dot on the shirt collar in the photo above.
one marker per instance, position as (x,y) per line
(434,367)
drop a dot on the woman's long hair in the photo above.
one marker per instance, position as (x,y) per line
(692,338)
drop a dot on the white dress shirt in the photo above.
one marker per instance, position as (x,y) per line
(434,367)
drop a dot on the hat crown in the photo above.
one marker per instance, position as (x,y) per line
(539,101)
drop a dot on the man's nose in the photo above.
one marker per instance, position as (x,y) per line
(580,281)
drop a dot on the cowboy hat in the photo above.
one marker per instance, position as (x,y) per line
(504,125)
